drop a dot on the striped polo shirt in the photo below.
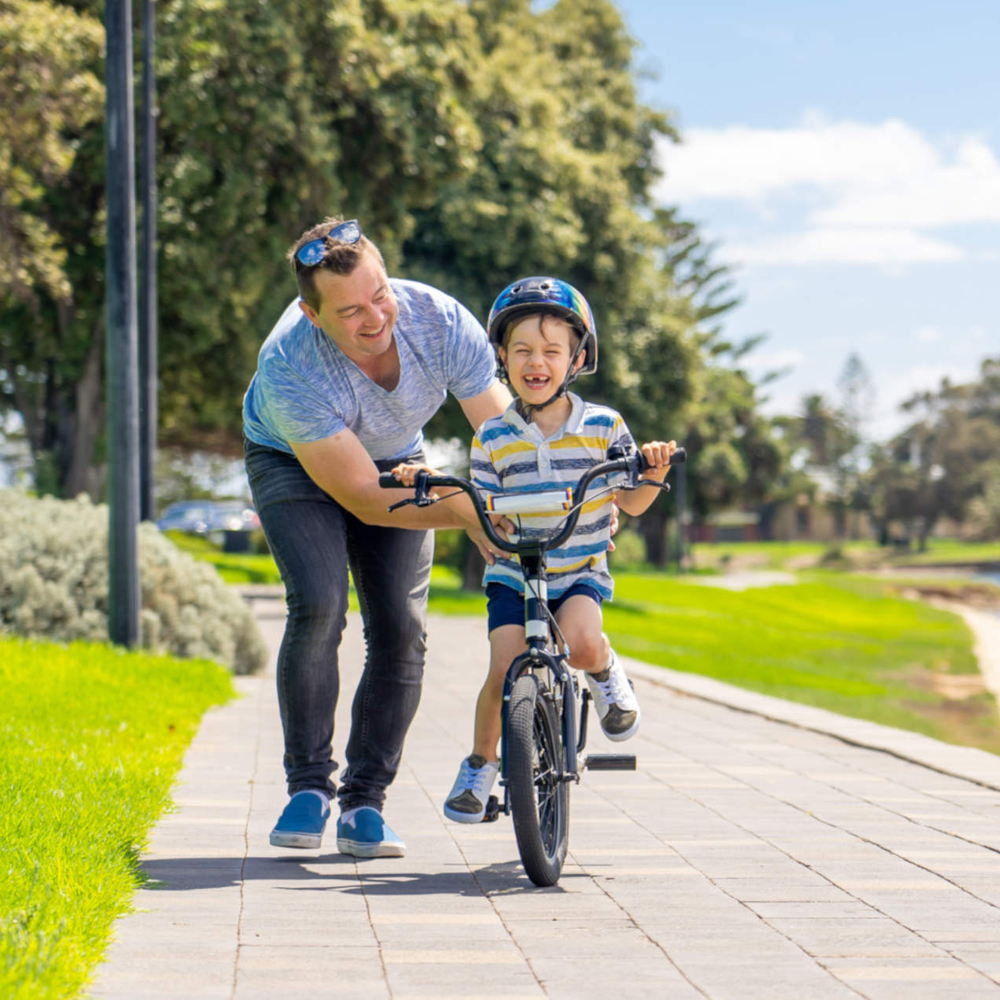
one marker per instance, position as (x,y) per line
(510,455)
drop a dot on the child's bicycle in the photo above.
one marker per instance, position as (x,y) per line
(541,739)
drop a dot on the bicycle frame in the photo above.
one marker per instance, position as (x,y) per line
(531,554)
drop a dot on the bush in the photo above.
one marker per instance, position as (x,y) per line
(629,553)
(54,585)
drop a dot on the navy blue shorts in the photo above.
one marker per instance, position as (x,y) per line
(505,605)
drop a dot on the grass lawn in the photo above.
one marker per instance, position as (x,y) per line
(92,738)
(781,555)
(834,641)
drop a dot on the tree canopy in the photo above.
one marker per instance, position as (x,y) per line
(476,141)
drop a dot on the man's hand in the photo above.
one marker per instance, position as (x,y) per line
(406,472)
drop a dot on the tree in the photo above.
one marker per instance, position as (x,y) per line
(944,463)
(50,98)
(477,141)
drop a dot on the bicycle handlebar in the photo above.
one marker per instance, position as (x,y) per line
(632,463)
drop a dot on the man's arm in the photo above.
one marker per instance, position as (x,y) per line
(490,403)
(340,465)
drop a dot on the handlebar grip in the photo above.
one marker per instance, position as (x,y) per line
(389,482)
(680,455)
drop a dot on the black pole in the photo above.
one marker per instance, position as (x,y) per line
(148,407)
(122,340)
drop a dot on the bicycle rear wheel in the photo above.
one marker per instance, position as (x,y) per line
(539,800)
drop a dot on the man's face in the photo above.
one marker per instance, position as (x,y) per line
(357,311)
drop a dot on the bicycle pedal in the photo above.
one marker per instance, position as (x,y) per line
(492,810)
(610,762)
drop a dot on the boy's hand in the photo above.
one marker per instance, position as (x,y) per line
(657,455)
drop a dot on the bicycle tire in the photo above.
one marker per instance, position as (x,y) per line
(539,801)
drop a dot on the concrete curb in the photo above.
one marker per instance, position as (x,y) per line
(974,765)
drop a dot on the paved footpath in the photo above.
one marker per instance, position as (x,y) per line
(751,855)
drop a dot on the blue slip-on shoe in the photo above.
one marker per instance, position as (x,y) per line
(363,833)
(303,821)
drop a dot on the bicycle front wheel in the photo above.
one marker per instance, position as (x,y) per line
(539,800)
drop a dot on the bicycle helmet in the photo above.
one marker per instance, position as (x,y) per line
(546,295)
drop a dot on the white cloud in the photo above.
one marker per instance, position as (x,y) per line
(863,192)
(886,173)
(846,246)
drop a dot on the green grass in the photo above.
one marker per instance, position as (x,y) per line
(233,567)
(91,738)
(781,555)
(846,644)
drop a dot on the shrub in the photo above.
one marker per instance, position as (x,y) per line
(54,585)
(629,553)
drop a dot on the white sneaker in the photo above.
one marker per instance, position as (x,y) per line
(467,800)
(615,701)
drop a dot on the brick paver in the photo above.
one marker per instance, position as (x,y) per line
(747,857)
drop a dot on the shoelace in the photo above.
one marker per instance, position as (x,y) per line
(475,779)
(612,690)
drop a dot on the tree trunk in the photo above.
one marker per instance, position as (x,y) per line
(472,566)
(653,525)
(82,474)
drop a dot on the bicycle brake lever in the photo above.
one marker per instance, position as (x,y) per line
(416,501)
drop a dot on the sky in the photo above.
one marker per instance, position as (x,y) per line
(845,160)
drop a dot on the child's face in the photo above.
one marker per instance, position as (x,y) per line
(537,356)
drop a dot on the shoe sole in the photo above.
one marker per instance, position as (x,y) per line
(366,849)
(461,817)
(306,841)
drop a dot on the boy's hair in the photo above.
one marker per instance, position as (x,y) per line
(542,315)
(340,258)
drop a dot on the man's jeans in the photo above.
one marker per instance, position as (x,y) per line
(313,541)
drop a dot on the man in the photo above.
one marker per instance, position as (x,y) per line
(345,382)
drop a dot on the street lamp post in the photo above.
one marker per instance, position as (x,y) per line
(122,336)
(147,315)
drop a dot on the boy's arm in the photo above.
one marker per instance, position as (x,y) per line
(657,454)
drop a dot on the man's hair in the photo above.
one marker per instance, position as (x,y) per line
(340,258)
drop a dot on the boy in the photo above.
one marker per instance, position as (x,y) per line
(544,335)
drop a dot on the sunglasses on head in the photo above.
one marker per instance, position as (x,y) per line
(314,251)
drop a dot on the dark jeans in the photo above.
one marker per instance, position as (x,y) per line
(314,540)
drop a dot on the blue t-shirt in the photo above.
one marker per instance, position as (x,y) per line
(306,389)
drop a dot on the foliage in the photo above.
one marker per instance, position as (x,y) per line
(475,141)
(944,463)
(51,101)
(92,738)
(54,585)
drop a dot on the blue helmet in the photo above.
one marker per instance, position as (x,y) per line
(546,295)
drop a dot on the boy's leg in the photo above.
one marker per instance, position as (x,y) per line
(580,620)
(469,795)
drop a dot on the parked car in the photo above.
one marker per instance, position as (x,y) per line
(203,517)
(234,515)
(193,516)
